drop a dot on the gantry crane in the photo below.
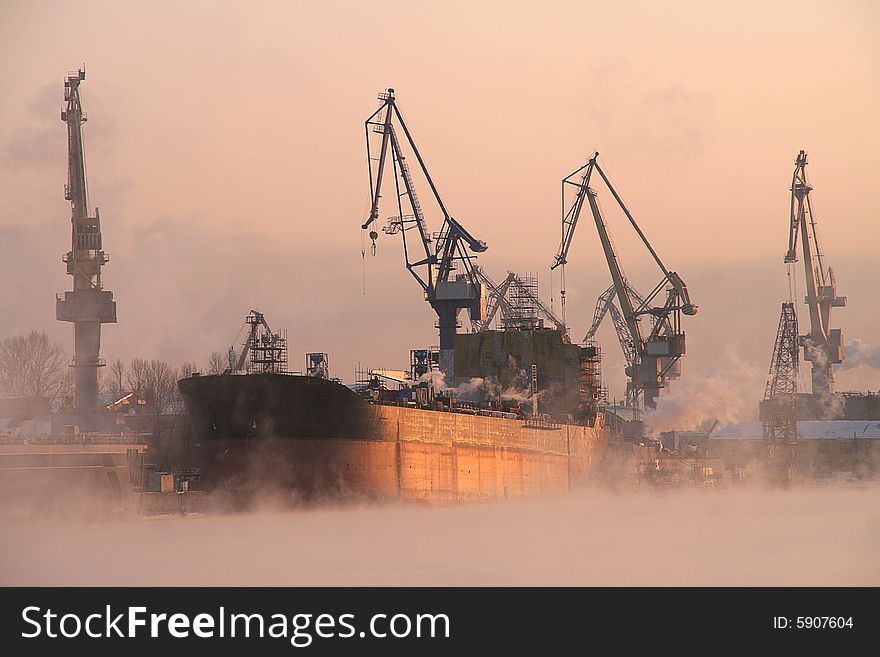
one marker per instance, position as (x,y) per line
(88,305)
(653,356)
(823,346)
(444,266)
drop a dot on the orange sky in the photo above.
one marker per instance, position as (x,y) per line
(225,150)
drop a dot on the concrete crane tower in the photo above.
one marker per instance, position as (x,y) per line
(823,345)
(88,305)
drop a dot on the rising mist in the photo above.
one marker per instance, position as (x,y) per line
(808,537)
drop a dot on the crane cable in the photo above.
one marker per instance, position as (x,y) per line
(364,254)
(363,266)
(562,291)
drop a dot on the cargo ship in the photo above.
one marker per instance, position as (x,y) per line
(262,428)
(463,423)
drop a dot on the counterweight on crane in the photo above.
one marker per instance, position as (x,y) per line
(652,357)
(442,264)
(88,305)
(823,346)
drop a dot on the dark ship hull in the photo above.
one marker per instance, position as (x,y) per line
(319,439)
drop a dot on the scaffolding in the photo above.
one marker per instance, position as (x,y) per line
(523,311)
(592,395)
(265,350)
(422,361)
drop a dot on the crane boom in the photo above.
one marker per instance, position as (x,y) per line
(652,359)
(823,346)
(619,281)
(446,272)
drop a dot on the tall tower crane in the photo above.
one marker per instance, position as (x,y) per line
(823,346)
(778,410)
(652,356)
(442,264)
(88,305)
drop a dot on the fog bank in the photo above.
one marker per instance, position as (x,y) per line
(810,537)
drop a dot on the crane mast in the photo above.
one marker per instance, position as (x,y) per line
(652,358)
(444,267)
(778,410)
(823,346)
(88,305)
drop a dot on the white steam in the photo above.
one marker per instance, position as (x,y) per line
(858,353)
(477,388)
(728,395)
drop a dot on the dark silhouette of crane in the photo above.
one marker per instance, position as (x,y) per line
(264,351)
(778,410)
(89,305)
(442,264)
(652,356)
(823,346)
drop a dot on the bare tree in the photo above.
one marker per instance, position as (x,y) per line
(217,364)
(187,370)
(136,378)
(115,381)
(32,364)
(66,390)
(153,381)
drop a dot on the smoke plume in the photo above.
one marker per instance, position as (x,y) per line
(728,395)
(858,353)
(477,388)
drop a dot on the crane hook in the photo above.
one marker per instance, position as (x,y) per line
(373,236)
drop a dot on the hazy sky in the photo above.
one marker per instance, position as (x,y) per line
(225,149)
